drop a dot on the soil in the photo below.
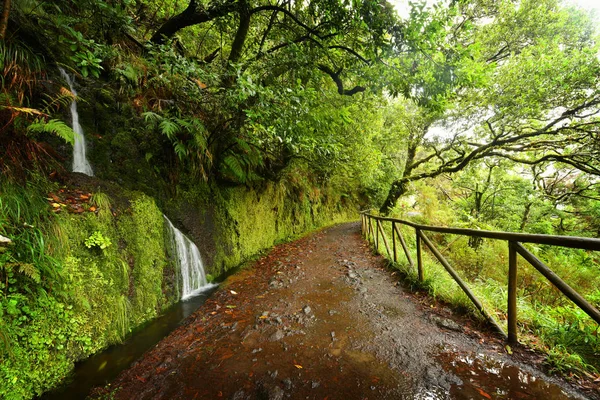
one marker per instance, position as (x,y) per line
(323,318)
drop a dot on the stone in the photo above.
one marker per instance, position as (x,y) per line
(278,335)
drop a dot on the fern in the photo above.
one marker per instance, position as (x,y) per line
(55,127)
(151,117)
(235,167)
(180,150)
(26,269)
(169,128)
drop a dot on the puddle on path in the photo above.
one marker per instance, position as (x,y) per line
(485,378)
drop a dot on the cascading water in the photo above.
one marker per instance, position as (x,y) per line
(80,162)
(192,276)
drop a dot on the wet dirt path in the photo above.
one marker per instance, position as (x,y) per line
(322,318)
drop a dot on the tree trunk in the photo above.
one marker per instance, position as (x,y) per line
(525,217)
(396,191)
(240,37)
(4,20)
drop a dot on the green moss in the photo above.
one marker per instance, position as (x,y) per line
(102,294)
(125,278)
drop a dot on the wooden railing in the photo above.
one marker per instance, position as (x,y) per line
(372,228)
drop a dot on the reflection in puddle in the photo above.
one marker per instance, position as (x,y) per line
(485,378)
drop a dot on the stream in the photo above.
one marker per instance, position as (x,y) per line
(103,367)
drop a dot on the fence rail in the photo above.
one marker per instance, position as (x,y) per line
(515,248)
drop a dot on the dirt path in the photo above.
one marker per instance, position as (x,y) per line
(322,318)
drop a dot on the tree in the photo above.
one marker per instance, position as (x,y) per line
(537,100)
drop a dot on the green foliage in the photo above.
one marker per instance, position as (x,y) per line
(59,301)
(96,239)
(53,126)
(547,319)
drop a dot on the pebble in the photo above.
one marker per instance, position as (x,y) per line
(307,310)
(278,335)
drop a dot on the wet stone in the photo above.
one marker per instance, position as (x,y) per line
(278,335)
(446,323)
(307,310)
(315,384)
(239,395)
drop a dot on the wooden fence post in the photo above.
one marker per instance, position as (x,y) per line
(419,256)
(394,241)
(376,236)
(512,293)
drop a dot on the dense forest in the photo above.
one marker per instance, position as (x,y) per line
(276,117)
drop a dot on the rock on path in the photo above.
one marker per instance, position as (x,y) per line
(322,318)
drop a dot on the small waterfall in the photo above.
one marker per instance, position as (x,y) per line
(191,268)
(80,162)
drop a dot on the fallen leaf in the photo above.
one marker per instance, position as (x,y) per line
(263,317)
(484,394)
(92,208)
(213,313)
(508,349)
(232,292)
(84,197)
(55,205)
(230,306)
(298,366)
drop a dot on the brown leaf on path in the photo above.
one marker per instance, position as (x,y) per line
(484,394)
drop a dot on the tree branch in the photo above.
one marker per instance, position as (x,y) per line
(338,81)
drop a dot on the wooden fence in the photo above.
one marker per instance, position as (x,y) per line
(372,228)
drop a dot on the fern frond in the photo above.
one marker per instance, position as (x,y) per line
(55,127)
(26,110)
(30,271)
(235,167)
(151,117)
(180,150)
(168,128)
(243,145)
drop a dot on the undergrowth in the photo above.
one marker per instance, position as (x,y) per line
(547,320)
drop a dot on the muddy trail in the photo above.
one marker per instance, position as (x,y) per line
(323,318)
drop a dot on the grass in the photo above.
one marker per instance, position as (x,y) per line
(547,320)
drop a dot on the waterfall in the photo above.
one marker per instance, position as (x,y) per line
(191,269)
(80,162)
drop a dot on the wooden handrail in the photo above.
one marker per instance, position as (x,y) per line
(515,247)
(554,240)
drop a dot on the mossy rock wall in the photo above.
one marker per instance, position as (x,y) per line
(232,225)
(107,292)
